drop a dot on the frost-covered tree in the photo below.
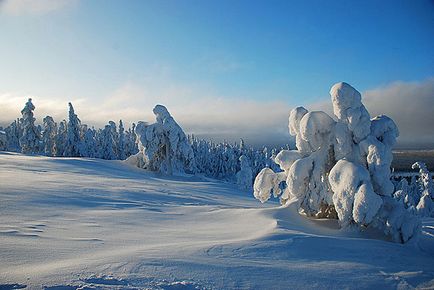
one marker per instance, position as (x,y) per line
(29,141)
(3,140)
(60,139)
(49,135)
(341,168)
(121,142)
(425,206)
(244,176)
(108,143)
(88,145)
(72,142)
(13,135)
(163,146)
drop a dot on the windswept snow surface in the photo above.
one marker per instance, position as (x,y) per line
(69,223)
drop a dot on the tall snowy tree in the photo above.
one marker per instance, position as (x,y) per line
(88,145)
(121,142)
(61,139)
(72,144)
(108,143)
(49,135)
(13,134)
(29,141)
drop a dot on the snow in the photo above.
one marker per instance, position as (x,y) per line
(100,224)
(244,176)
(344,169)
(354,197)
(163,145)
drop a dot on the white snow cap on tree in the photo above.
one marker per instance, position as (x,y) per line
(163,146)
(29,141)
(244,176)
(341,169)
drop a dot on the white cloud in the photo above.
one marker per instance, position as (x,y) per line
(33,7)
(200,110)
(409,104)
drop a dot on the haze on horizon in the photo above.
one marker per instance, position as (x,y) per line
(224,69)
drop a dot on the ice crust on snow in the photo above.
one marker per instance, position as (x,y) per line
(341,169)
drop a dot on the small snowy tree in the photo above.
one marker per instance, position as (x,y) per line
(244,176)
(88,145)
(49,135)
(29,141)
(163,146)
(60,139)
(13,135)
(121,142)
(425,206)
(72,144)
(108,143)
(3,140)
(341,168)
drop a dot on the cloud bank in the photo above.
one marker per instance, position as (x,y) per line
(202,111)
(409,104)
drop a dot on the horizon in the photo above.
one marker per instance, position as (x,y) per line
(224,70)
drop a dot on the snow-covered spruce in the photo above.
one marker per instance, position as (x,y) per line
(425,206)
(72,142)
(29,141)
(341,169)
(244,176)
(163,146)
(49,135)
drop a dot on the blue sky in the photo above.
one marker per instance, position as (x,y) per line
(268,54)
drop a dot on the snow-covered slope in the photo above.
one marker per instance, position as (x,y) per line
(99,224)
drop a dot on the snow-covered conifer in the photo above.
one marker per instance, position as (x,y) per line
(60,139)
(29,141)
(88,145)
(72,142)
(244,176)
(49,135)
(163,146)
(341,168)
(108,146)
(121,142)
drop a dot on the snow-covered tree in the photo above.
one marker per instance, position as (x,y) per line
(3,140)
(341,168)
(60,139)
(29,141)
(121,142)
(72,144)
(13,135)
(49,135)
(108,143)
(244,176)
(88,145)
(163,146)
(425,206)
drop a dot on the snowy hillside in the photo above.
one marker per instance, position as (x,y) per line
(98,224)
